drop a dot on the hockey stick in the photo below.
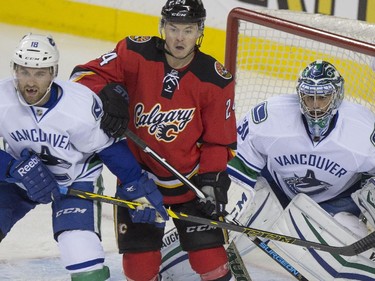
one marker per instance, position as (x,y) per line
(353,249)
(259,243)
(139,142)
(232,247)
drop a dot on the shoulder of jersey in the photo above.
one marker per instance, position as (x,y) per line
(276,109)
(145,46)
(8,92)
(78,98)
(356,111)
(208,69)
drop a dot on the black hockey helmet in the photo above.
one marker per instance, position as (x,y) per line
(184,11)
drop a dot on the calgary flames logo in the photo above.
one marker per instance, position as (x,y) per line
(140,39)
(222,71)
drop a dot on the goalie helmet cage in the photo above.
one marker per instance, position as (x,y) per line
(267,49)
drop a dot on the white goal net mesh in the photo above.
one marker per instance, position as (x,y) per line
(267,49)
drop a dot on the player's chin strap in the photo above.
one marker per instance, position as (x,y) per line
(162,47)
(259,243)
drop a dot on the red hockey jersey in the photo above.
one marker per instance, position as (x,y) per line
(184,115)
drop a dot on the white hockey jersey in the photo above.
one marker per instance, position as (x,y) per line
(272,134)
(65,136)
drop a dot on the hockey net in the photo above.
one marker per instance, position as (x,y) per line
(267,49)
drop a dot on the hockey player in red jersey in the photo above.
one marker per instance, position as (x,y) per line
(180,102)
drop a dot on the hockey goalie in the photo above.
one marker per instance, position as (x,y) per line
(315,150)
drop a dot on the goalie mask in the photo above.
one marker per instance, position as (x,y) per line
(321,90)
(35,51)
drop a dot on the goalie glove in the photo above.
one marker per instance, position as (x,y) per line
(365,200)
(215,185)
(144,191)
(37,179)
(115,101)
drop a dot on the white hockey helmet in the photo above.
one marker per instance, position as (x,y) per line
(37,51)
(320,79)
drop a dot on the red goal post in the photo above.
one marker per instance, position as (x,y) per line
(267,49)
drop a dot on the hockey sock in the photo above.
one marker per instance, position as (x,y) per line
(141,266)
(211,264)
(97,275)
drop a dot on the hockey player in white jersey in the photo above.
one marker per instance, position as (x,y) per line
(313,147)
(322,152)
(53,138)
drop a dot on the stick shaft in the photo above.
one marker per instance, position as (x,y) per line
(356,248)
(140,143)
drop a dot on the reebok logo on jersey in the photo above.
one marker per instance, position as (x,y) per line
(22,171)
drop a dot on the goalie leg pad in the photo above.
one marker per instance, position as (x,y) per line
(141,266)
(266,208)
(97,275)
(352,223)
(136,237)
(81,251)
(195,236)
(305,219)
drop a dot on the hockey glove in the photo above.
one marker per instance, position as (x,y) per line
(115,101)
(38,180)
(144,191)
(365,200)
(215,186)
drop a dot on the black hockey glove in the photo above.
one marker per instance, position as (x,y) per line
(215,186)
(115,101)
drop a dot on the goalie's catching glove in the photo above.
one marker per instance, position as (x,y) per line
(115,101)
(365,200)
(215,186)
(38,180)
(144,191)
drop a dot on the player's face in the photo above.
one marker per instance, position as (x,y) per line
(181,38)
(317,104)
(33,83)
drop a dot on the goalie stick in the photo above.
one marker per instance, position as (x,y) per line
(353,249)
(259,243)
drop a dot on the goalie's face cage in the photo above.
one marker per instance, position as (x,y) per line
(320,90)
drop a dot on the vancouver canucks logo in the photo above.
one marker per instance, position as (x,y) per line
(307,184)
(164,125)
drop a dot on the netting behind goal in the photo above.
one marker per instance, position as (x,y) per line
(267,49)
